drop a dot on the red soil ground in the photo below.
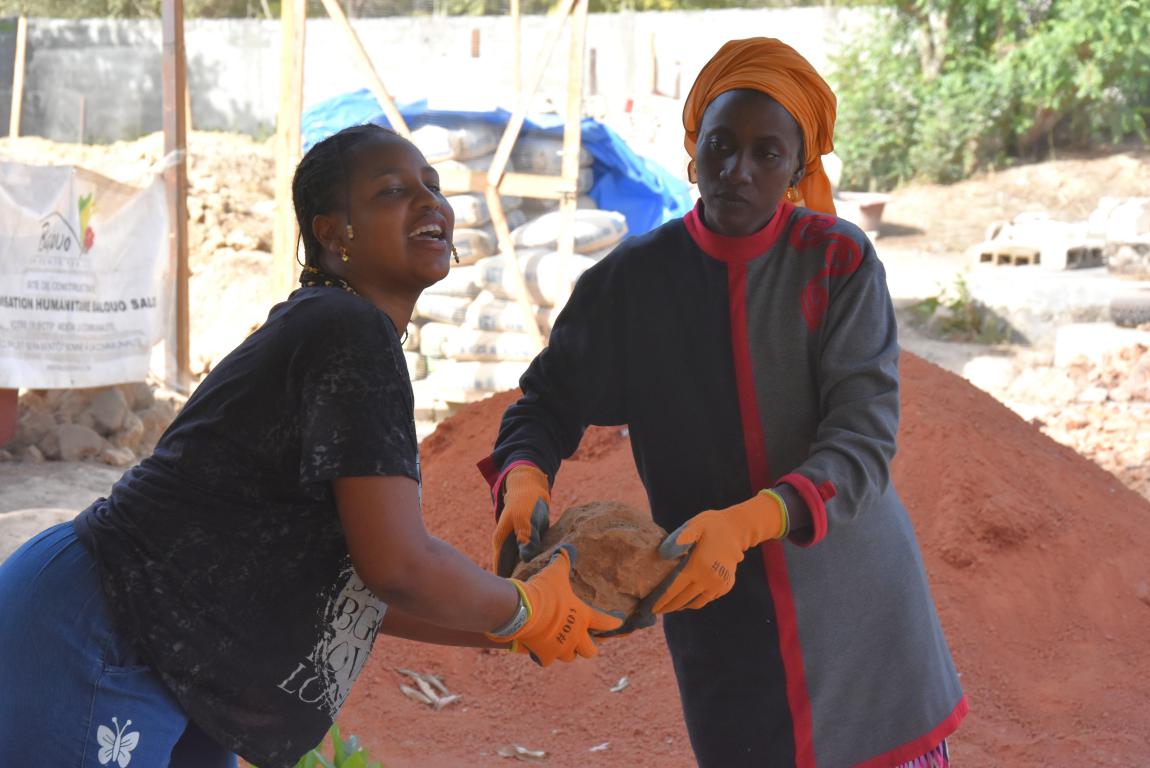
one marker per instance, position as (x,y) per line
(1039,563)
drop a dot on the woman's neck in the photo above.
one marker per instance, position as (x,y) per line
(397,305)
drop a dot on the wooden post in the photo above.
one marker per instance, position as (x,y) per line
(374,81)
(523,102)
(293,20)
(18,65)
(176,140)
(498,166)
(572,136)
(516,49)
(188,106)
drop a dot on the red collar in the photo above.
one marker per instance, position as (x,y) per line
(736,249)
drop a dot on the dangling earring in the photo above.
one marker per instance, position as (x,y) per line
(343,254)
(793,195)
(692,175)
(454,253)
(350,234)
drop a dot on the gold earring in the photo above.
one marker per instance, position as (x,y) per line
(454,253)
(350,234)
(793,195)
(343,255)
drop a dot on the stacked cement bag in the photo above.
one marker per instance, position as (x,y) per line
(469,334)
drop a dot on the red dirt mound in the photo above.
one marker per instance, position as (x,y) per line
(1038,561)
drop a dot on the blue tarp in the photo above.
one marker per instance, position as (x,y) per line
(639,188)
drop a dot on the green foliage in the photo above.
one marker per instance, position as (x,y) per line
(954,314)
(344,754)
(939,88)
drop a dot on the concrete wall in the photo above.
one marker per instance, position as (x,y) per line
(98,80)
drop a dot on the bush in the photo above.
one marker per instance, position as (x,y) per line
(938,89)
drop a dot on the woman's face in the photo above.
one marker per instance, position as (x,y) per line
(402,223)
(747,156)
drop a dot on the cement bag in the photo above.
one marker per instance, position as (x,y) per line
(416,365)
(544,154)
(536,207)
(460,281)
(490,346)
(411,340)
(488,313)
(483,377)
(549,277)
(481,164)
(434,142)
(442,309)
(473,245)
(594,231)
(475,140)
(471,210)
(435,338)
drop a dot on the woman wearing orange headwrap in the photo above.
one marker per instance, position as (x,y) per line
(751,348)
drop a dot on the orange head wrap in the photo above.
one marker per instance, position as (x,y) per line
(772,67)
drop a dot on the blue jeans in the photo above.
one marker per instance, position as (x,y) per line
(73,693)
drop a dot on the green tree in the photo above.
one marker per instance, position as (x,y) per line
(939,88)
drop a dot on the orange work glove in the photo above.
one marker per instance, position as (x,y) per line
(558,623)
(714,543)
(526,514)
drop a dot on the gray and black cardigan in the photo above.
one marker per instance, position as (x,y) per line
(738,364)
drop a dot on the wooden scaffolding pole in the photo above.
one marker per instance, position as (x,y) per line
(18,66)
(175,77)
(495,174)
(374,81)
(293,24)
(572,135)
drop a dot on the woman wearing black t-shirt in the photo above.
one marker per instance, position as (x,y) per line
(225,596)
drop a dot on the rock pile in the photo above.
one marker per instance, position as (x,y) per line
(617,562)
(1100,408)
(117,425)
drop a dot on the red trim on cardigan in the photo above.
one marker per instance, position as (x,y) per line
(815,499)
(923,744)
(754,441)
(735,250)
(759,474)
(779,582)
(495,479)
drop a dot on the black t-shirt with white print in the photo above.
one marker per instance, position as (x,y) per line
(222,554)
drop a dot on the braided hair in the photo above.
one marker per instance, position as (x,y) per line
(320,184)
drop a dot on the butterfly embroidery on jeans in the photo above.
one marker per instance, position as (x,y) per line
(117,746)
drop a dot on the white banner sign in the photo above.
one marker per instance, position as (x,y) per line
(84,276)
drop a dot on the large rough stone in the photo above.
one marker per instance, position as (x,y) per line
(130,434)
(33,426)
(71,404)
(139,395)
(118,457)
(77,443)
(156,420)
(109,408)
(617,561)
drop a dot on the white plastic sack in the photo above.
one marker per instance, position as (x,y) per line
(442,309)
(490,346)
(460,281)
(536,153)
(475,376)
(549,277)
(488,313)
(593,230)
(473,245)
